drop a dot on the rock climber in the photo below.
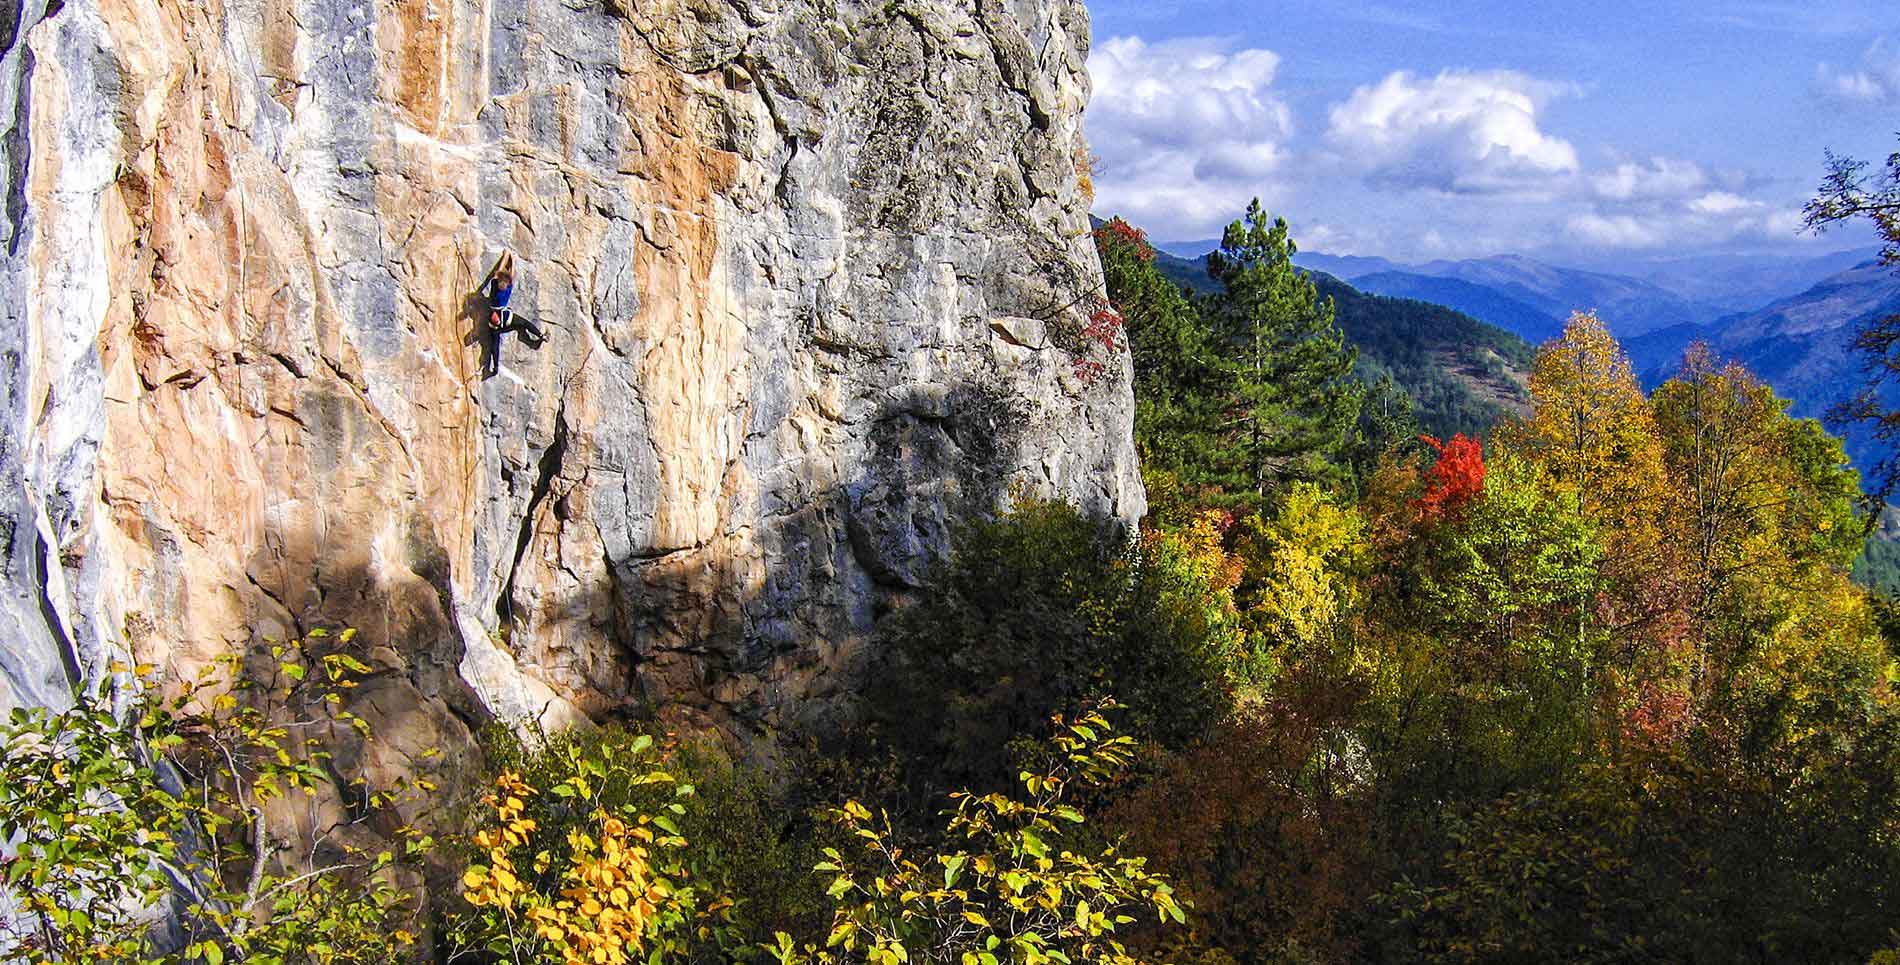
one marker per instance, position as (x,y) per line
(499,289)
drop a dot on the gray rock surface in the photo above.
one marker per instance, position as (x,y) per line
(809,273)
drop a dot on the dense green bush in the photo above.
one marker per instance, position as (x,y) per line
(1675,857)
(1036,613)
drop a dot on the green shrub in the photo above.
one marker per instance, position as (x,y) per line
(129,803)
(1038,613)
(1011,881)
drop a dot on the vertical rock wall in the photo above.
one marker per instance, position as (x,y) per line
(811,274)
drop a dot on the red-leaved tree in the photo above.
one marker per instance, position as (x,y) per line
(1456,479)
(1118,232)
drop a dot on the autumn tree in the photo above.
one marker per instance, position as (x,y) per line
(1011,882)
(1850,193)
(1763,497)
(1482,645)
(134,803)
(1590,428)
(1591,431)
(1294,399)
(1456,478)
(1300,582)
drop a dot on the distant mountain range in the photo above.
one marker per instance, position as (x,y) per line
(1479,301)
(1799,344)
(1523,295)
(1740,283)
(1532,298)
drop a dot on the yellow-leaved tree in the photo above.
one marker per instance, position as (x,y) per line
(1590,429)
(151,797)
(1015,879)
(612,890)
(1765,517)
(1301,581)
(1594,436)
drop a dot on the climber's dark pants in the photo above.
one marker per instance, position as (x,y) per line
(508,321)
(502,321)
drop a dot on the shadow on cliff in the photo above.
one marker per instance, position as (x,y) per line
(757,635)
(423,718)
(768,643)
(309,584)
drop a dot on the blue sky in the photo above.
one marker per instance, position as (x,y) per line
(1464,128)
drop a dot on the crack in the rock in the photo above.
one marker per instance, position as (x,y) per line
(548,468)
(16,148)
(42,578)
(744,63)
(295,623)
(655,555)
(12,13)
(374,412)
(1018,77)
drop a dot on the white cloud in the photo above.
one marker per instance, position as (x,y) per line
(1713,218)
(1723,203)
(1187,131)
(1617,231)
(1876,82)
(1661,178)
(1462,132)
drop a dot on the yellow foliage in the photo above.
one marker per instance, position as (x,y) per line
(1203,552)
(1302,567)
(1592,432)
(1085,162)
(1004,887)
(615,897)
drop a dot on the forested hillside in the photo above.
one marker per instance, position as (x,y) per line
(1479,302)
(1460,374)
(1598,689)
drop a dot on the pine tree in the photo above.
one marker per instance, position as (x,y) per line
(1293,399)
(1179,381)
(1387,423)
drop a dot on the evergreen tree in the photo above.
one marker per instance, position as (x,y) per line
(1293,399)
(1179,381)
(1387,423)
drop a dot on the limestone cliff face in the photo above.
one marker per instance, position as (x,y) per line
(812,273)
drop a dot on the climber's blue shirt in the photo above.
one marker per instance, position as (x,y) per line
(502,294)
